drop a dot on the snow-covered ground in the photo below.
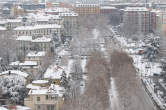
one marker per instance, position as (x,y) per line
(69,66)
(95,33)
(114,97)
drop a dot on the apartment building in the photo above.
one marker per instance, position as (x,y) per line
(33,43)
(70,18)
(42,29)
(87,8)
(70,22)
(35,56)
(42,18)
(31,67)
(43,96)
(11,23)
(137,19)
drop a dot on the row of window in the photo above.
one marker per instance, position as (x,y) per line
(42,31)
(48,107)
(48,97)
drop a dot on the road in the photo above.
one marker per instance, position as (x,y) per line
(141,100)
(106,44)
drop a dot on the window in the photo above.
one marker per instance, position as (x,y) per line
(50,107)
(38,98)
(38,107)
(46,97)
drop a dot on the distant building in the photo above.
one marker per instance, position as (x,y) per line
(31,67)
(32,6)
(87,9)
(16,11)
(42,29)
(30,43)
(137,19)
(70,22)
(70,18)
(35,56)
(9,24)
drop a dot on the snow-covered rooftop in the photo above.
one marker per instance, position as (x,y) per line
(58,10)
(36,54)
(4,21)
(25,63)
(28,63)
(107,7)
(54,72)
(42,39)
(2,28)
(40,82)
(31,86)
(68,14)
(53,89)
(40,26)
(136,9)
(16,72)
(18,107)
(14,20)
(42,16)
(86,5)
(24,38)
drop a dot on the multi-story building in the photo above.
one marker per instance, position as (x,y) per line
(43,96)
(112,13)
(16,11)
(42,18)
(31,67)
(42,44)
(30,43)
(87,9)
(70,22)
(69,18)
(153,23)
(11,23)
(35,56)
(44,29)
(137,19)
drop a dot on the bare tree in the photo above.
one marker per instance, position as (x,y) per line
(131,94)
(8,47)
